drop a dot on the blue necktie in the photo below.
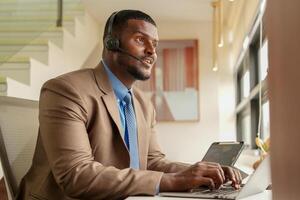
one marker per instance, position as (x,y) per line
(130,136)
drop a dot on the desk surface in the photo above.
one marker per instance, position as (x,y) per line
(245,161)
(266,195)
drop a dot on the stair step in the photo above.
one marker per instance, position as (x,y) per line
(30,29)
(54,37)
(2,79)
(41,13)
(40,23)
(13,41)
(30,48)
(39,7)
(19,71)
(14,59)
(33,18)
(40,4)
(44,35)
(39,29)
(38,1)
(24,56)
(3,85)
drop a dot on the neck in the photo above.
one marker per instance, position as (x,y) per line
(120,73)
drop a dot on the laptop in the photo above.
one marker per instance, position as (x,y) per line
(257,182)
(225,153)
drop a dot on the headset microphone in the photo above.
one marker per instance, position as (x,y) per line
(132,56)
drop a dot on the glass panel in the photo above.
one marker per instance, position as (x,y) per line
(245,85)
(25,30)
(246,130)
(265,120)
(264,64)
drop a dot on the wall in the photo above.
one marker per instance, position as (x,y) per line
(189,141)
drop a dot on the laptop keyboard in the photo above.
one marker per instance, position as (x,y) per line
(223,192)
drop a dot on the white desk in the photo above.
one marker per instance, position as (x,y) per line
(245,161)
(266,195)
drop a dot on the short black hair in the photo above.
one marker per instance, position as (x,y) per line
(123,16)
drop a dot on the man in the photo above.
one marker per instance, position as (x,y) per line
(97,138)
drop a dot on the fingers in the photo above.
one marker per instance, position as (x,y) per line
(233,175)
(238,177)
(212,171)
(211,165)
(207,182)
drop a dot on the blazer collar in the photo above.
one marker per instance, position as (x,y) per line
(112,107)
(109,97)
(102,79)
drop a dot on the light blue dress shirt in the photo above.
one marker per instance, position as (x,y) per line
(120,91)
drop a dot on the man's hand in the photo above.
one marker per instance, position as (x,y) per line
(232,175)
(207,174)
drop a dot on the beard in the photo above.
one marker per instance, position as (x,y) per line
(138,73)
(137,70)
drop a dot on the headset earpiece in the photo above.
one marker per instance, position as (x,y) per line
(111,43)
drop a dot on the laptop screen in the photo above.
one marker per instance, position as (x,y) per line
(224,153)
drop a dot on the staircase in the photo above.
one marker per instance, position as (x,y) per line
(33,49)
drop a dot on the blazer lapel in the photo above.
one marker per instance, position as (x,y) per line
(141,132)
(109,98)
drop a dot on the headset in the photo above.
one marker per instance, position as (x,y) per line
(111,43)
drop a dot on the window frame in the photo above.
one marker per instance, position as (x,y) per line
(249,59)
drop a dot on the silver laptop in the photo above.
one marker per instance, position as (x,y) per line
(257,182)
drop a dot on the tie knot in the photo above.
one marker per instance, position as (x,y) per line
(127,98)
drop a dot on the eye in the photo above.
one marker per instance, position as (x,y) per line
(155,44)
(140,40)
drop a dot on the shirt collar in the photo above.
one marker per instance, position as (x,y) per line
(119,88)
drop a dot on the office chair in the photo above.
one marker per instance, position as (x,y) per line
(18,134)
(8,174)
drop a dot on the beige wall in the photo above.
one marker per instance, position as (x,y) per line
(189,141)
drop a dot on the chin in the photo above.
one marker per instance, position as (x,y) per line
(141,75)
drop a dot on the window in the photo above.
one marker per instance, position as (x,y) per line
(265,127)
(251,90)
(245,85)
(264,64)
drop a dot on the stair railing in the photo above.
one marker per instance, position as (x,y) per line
(59,13)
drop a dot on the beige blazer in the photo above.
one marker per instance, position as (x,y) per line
(80,153)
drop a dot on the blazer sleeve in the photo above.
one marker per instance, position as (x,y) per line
(63,119)
(156,159)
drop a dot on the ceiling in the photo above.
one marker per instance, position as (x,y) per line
(159,10)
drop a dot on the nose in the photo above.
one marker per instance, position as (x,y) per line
(150,49)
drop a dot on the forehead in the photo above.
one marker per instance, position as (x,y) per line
(140,26)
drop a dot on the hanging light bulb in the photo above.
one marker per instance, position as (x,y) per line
(220,24)
(214,4)
(215,68)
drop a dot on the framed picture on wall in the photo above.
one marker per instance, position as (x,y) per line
(174,83)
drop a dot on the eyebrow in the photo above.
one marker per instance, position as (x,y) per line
(143,33)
